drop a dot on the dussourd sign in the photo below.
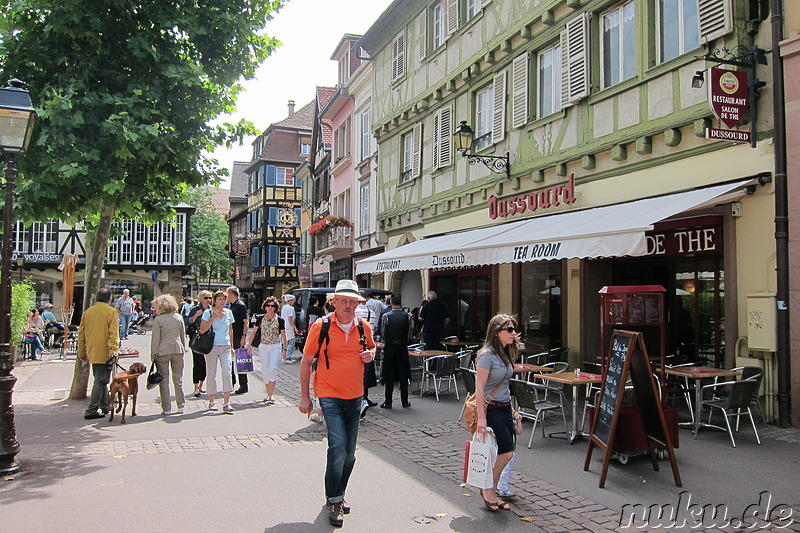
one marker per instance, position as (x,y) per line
(470,258)
(730,103)
(531,201)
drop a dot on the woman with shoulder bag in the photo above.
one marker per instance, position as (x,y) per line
(495,365)
(168,344)
(221,320)
(195,318)
(270,329)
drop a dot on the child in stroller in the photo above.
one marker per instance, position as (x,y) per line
(137,326)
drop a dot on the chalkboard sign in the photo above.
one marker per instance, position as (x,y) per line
(611,386)
(628,357)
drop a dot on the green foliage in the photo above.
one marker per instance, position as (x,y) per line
(208,238)
(23,299)
(126,92)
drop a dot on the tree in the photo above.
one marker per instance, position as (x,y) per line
(126,91)
(208,238)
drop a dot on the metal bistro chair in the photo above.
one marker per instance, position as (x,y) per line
(735,404)
(532,405)
(416,362)
(468,376)
(440,368)
(677,387)
(753,373)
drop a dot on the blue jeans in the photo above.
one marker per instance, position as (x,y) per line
(36,343)
(124,322)
(342,418)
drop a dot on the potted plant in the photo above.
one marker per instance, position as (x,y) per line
(23,298)
(324,224)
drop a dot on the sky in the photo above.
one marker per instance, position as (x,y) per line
(309,31)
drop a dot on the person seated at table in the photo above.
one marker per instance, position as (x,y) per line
(33,328)
(495,367)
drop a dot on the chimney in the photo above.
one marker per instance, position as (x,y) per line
(291,107)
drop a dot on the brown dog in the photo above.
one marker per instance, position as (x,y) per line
(125,384)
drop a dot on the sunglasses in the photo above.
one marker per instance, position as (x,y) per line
(271,305)
(510,329)
(206,297)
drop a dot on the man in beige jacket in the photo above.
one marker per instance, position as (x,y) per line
(98,343)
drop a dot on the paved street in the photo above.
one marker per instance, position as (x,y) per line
(260,469)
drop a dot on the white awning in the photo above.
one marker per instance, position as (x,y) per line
(608,231)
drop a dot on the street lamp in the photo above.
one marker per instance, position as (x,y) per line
(465,141)
(17,118)
(20,264)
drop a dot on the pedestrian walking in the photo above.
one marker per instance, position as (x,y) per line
(221,319)
(125,307)
(198,359)
(98,343)
(270,329)
(346,345)
(168,344)
(241,324)
(289,316)
(396,328)
(495,367)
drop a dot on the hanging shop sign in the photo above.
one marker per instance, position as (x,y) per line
(728,95)
(532,201)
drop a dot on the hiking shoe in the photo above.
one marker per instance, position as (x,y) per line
(335,517)
(212,406)
(345,507)
(228,408)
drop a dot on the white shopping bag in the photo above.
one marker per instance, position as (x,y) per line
(480,459)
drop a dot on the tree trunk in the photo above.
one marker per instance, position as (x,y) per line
(96,247)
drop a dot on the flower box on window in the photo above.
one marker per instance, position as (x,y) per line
(324,224)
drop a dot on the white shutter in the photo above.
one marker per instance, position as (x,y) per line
(519,91)
(398,56)
(451,17)
(716,19)
(422,34)
(436,143)
(416,151)
(499,111)
(575,60)
(445,137)
(485,3)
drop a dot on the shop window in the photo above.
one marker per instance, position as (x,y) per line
(540,305)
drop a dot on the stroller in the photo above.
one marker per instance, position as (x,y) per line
(137,326)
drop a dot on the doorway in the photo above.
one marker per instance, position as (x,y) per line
(467,295)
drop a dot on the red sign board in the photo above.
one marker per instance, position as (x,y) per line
(728,95)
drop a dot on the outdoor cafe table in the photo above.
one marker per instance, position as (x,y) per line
(575,381)
(525,368)
(456,345)
(698,374)
(425,354)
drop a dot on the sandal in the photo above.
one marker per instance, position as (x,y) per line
(503,506)
(492,506)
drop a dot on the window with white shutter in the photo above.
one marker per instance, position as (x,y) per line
(677,28)
(575,60)
(452,17)
(398,57)
(484,111)
(618,44)
(416,151)
(442,138)
(438,14)
(499,114)
(549,86)
(422,35)
(716,19)
(406,168)
(519,91)
(364,212)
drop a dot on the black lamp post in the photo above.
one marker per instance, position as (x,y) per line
(20,264)
(465,139)
(17,118)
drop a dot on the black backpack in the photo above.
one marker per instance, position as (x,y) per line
(325,337)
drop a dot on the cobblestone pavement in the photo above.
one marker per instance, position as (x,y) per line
(539,502)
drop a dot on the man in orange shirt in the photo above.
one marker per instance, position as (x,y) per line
(339,386)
